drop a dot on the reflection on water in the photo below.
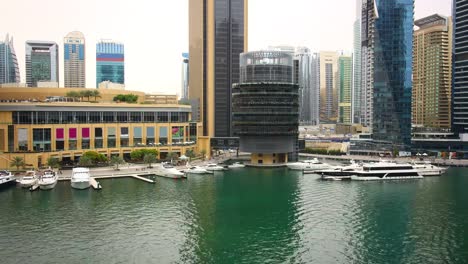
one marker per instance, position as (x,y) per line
(240,216)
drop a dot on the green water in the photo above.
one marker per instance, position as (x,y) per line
(242,216)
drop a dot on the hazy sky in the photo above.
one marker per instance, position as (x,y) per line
(155,32)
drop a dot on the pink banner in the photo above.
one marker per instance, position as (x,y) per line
(85,132)
(59,133)
(72,133)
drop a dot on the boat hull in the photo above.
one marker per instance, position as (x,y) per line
(6,184)
(27,184)
(80,185)
(47,186)
(360,178)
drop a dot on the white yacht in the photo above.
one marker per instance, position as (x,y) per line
(236,165)
(168,171)
(48,180)
(28,180)
(80,178)
(386,171)
(427,169)
(340,172)
(6,178)
(213,167)
(308,165)
(197,170)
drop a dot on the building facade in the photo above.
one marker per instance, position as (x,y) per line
(9,69)
(345,92)
(184,95)
(42,62)
(309,85)
(217,36)
(266,107)
(37,131)
(432,72)
(387,38)
(110,62)
(460,68)
(368,16)
(357,70)
(328,86)
(74,60)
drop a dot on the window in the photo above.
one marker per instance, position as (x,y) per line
(111,137)
(98,142)
(122,117)
(150,136)
(59,139)
(23,139)
(177,134)
(148,117)
(163,135)
(41,139)
(85,141)
(137,136)
(80,117)
(135,117)
(162,116)
(108,117)
(95,117)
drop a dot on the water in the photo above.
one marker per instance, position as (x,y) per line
(242,216)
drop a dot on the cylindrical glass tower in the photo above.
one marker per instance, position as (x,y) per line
(266,106)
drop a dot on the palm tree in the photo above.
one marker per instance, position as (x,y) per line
(53,162)
(73,94)
(172,156)
(203,154)
(96,94)
(149,159)
(82,94)
(190,154)
(88,94)
(17,162)
(116,161)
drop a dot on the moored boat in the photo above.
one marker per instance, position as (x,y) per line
(168,171)
(213,167)
(386,171)
(236,165)
(80,178)
(6,179)
(340,172)
(197,170)
(311,165)
(28,180)
(427,169)
(48,180)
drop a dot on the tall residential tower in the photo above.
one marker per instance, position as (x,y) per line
(42,62)
(345,84)
(460,68)
(74,60)
(432,72)
(328,86)
(9,70)
(217,36)
(110,62)
(185,77)
(357,70)
(309,85)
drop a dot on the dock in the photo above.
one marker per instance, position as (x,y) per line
(142,178)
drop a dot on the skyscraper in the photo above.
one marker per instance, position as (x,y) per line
(357,71)
(345,84)
(309,85)
(9,70)
(460,68)
(185,77)
(42,63)
(217,36)
(328,86)
(432,72)
(74,60)
(387,37)
(110,62)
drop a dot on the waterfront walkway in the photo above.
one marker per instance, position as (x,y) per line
(435,161)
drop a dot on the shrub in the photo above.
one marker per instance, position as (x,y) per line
(139,154)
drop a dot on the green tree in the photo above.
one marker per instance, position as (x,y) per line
(85,161)
(203,154)
(53,162)
(149,159)
(73,94)
(96,94)
(17,162)
(190,154)
(116,161)
(138,155)
(95,157)
(172,156)
(82,94)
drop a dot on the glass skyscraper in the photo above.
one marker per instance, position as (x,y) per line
(309,84)
(460,68)
(388,40)
(9,70)
(357,71)
(217,36)
(110,62)
(74,60)
(42,64)
(345,83)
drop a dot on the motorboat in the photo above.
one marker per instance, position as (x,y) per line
(341,172)
(384,170)
(48,180)
(236,165)
(310,165)
(213,167)
(427,169)
(80,178)
(28,180)
(168,171)
(197,170)
(6,179)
